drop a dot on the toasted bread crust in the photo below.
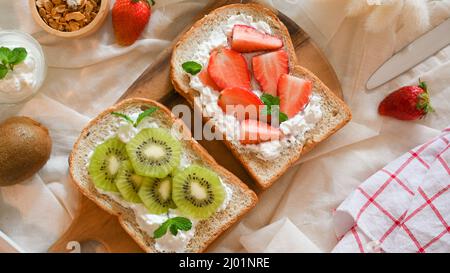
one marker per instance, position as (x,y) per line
(188,93)
(124,220)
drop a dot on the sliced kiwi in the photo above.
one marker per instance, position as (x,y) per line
(128,182)
(106,162)
(197,191)
(154,152)
(156,194)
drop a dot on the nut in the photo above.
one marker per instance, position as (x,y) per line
(58,15)
(89,7)
(77,16)
(60,8)
(40,3)
(48,5)
(74,26)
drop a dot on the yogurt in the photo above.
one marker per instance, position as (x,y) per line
(149,222)
(293,129)
(28,76)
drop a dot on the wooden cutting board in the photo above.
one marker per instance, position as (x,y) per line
(92,224)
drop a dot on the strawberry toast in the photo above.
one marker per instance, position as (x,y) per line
(240,57)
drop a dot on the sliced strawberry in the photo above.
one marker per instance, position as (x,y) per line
(294,94)
(206,80)
(228,68)
(268,68)
(248,39)
(254,132)
(241,102)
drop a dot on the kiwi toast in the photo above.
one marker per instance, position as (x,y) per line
(137,161)
(248,48)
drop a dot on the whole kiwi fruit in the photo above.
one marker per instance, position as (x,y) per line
(25,147)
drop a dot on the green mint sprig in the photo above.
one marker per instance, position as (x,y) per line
(140,118)
(174,225)
(10,58)
(269,102)
(192,67)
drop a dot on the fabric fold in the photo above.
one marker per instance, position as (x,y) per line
(281,236)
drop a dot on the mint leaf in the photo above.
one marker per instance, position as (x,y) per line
(162,230)
(173,229)
(4,55)
(9,58)
(270,101)
(174,225)
(125,117)
(283,117)
(18,55)
(141,116)
(145,114)
(192,67)
(3,71)
(182,223)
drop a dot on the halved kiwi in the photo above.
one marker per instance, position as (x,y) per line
(156,194)
(106,162)
(197,191)
(128,182)
(154,152)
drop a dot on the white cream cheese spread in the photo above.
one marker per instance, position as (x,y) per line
(149,222)
(293,129)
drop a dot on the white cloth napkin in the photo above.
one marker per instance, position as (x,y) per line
(87,75)
(276,237)
(404,207)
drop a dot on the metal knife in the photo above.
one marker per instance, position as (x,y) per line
(8,246)
(414,53)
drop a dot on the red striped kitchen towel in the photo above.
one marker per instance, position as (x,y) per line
(404,207)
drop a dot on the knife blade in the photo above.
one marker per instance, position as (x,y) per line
(411,55)
(8,246)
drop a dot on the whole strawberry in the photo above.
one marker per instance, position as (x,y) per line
(407,103)
(129,19)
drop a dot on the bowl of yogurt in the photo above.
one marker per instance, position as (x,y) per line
(24,79)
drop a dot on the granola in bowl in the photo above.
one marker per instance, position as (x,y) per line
(68,15)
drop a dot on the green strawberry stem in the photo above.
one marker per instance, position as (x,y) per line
(150,2)
(424,103)
(423,85)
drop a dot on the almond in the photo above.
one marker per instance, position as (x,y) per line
(77,16)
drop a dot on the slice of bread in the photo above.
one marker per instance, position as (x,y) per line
(335,113)
(101,128)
